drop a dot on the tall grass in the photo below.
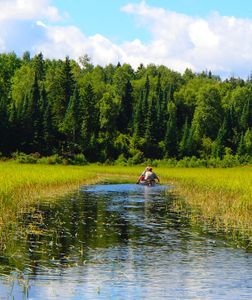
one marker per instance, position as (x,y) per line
(220,197)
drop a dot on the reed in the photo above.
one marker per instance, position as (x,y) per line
(219,197)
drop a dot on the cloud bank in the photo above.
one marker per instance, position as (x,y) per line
(218,43)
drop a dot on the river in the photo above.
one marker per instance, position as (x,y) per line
(122,242)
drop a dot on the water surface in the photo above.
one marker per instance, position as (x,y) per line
(119,242)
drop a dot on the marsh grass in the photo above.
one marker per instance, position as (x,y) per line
(22,185)
(221,198)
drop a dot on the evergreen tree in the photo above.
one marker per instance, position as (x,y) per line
(145,109)
(48,133)
(14,130)
(170,140)
(246,116)
(33,118)
(26,57)
(230,125)
(89,124)
(4,126)
(139,118)
(71,124)
(41,109)
(248,141)
(38,65)
(126,109)
(151,130)
(160,110)
(59,85)
(183,145)
(218,148)
(241,150)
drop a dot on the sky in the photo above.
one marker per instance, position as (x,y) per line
(202,35)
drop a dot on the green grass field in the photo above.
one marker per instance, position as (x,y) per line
(220,197)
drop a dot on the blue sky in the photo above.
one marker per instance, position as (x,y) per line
(202,35)
(105,16)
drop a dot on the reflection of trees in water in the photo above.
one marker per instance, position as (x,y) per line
(68,229)
(159,207)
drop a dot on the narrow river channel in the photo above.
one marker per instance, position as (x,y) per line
(122,242)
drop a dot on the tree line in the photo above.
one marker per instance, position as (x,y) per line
(114,112)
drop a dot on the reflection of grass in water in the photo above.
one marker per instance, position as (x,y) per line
(214,198)
(220,197)
(16,278)
(21,185)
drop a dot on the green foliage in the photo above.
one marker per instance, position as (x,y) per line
(115,114)
(51,160)
(121,160)
(25,158)
(79,159)
(136,159)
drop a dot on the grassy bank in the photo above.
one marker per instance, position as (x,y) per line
(22,184)
(219,197)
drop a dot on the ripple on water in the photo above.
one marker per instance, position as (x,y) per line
(119,241)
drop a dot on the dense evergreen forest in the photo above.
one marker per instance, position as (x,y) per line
(115,112)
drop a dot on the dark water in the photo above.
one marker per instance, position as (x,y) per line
(119,242)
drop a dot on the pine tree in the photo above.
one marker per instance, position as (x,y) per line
(126,109)
(246,116)
(60,86)
(145,109)
(14,130)
(29,118)
(71,124)
(48,138)
(4,126)
(160,109)
(67,80)
(183,145)
(150,130)
(34,112)
(38,65)
(89,125)
(170,140)
(241,150)
(248,141)
(218,148)
(139,117)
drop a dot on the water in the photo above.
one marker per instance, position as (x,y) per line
(119,242)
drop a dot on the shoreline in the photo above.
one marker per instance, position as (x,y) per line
(220,198)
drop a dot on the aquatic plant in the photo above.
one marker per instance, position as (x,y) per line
(220,197)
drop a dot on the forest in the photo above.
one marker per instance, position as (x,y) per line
(115,113)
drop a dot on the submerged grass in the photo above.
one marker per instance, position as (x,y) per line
(22,184)
(219,197)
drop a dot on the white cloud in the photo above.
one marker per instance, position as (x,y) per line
(202,36)
(2,45)
(62,41)
(40,23)
(28,9)
(218,43)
